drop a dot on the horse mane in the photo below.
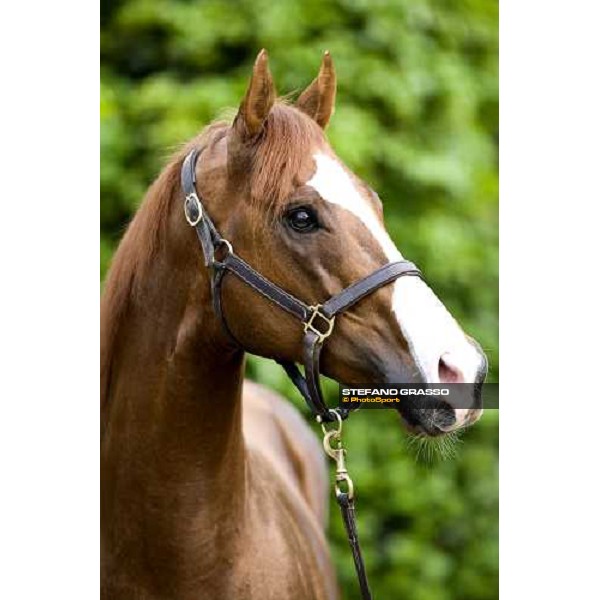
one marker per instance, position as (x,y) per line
(278,155)
(137,249)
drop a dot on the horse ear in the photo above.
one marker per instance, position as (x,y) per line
(259,98)
(318,99)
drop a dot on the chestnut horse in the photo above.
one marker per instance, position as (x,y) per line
(216,488)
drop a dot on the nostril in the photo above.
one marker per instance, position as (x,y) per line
(448,371)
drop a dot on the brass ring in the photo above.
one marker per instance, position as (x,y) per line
(189,198)
(227,244)
(340,421)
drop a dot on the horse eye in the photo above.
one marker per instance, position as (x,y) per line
(302,219)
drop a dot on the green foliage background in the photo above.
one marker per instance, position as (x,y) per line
(417,117)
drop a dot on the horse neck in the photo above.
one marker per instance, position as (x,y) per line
(172,408)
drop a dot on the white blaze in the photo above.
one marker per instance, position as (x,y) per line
(428,327)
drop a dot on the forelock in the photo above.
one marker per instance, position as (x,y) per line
(283,152)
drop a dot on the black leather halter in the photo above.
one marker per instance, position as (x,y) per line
(318,320)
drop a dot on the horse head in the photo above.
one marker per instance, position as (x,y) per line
(293,210)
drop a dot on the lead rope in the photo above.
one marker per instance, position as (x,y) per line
(344,494)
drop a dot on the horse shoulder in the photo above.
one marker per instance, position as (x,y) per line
(274,428)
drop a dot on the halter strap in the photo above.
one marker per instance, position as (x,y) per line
(357,291)
(242,270)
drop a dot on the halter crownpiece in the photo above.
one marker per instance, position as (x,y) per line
(318,321)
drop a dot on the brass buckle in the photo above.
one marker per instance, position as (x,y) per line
(310,326)
(188,200)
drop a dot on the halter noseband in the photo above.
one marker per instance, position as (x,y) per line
(318,320)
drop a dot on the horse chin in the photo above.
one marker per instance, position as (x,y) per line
(429,422)
(433,423)
(421,428)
